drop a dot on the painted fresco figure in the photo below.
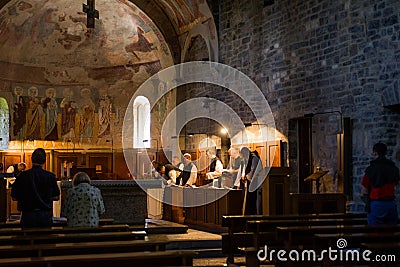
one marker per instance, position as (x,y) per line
(19,115)
(50,108)
(142,44)
(33,113)
(104,114)
(68,111)
(87,114)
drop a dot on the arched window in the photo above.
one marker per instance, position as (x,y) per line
(4,124)
(141,127)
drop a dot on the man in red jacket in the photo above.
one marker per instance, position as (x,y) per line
(379,182)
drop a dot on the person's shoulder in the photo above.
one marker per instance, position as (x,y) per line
(49,173)
(95,188)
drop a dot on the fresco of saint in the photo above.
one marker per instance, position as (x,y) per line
(87,114)
(50,108)
(33,114)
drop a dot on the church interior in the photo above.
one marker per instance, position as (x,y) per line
(112,87)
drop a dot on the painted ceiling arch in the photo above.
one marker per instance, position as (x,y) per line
(174,19)
(52,35)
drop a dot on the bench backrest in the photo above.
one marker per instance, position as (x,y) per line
(238,222)
(157,258)
(64,230)
(70,237)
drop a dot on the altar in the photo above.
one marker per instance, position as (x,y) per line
(125,201)
(201,205)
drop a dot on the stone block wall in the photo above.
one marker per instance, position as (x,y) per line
(317,56)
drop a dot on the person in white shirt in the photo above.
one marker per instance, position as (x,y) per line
(188,175)
(16,168)
(216,167)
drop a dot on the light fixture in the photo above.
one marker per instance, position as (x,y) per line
(248,124)
(112,143)
(224,130)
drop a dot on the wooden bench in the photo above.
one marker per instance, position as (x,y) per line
(302,237)
(354,240)
(358,241)
(295,236)
(237,235)
(64,230)
(42,250)
(265,231)
(128,259)
(57,221)
(70,237)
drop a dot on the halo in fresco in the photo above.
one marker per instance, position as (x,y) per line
(187,73)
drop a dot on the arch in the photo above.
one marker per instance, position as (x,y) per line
(203,32)
(141,122)
(4,124)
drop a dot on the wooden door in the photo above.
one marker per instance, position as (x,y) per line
(305,154)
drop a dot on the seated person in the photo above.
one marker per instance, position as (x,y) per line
(188,174)
(83,203)
(215,165)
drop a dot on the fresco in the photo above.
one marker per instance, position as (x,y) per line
(59,113)
(54,30)
(188,13)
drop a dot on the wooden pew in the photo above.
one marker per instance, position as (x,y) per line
(148,259)
(57,221)
(355,239)
(302,237)
(64,230)
(265,231)
(295,236)
(238,237)
(70,237)
(42,250)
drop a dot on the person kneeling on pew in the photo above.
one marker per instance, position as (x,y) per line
(83,203)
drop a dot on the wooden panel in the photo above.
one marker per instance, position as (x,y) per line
(62,158)
(317,203)
(102,159)
(121,170)
(13,158)
(3,201)
(275,191)
(10,159)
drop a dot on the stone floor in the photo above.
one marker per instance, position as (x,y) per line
(218,262)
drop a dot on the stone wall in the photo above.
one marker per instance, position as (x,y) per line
(318,56)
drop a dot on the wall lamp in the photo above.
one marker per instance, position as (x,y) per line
(311,115)
(112,143)
(252,124)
